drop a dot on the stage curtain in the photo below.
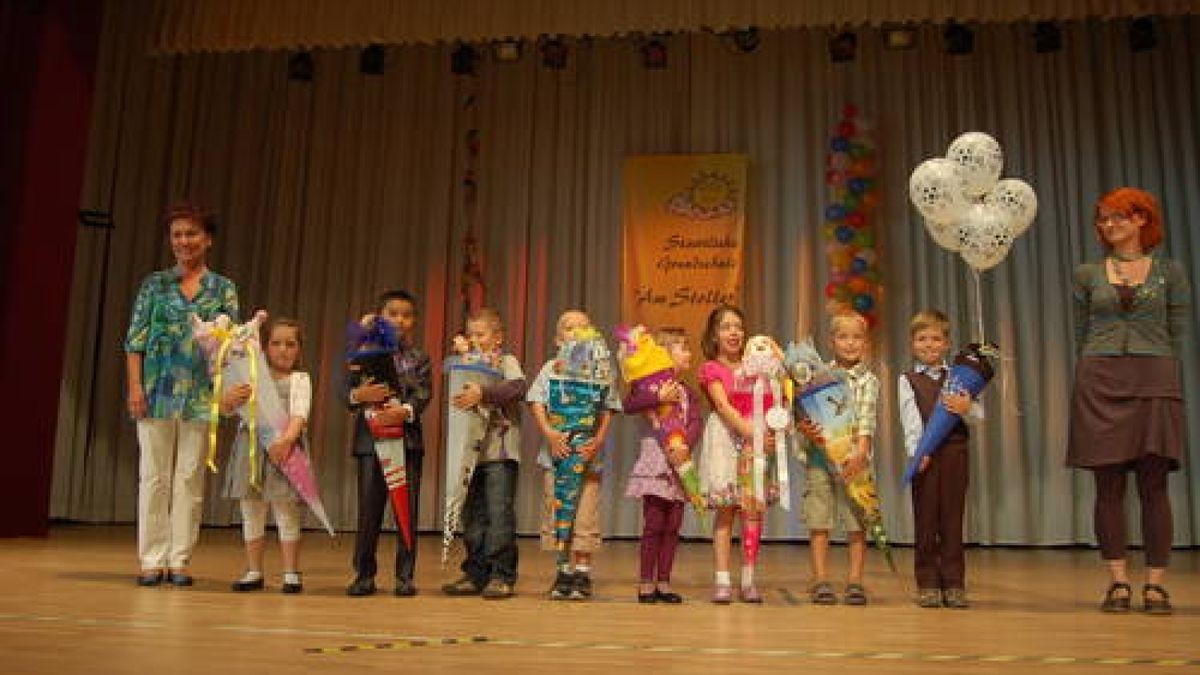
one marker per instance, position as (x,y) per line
(333,190)
(185,26)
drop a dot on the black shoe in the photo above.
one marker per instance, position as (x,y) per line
(180,579)
(292,588)
(669,597)
(463,586)
(582,588)
(647,598)
(242,585)
(564,582)
(360,587)
(150,578)
(404,589)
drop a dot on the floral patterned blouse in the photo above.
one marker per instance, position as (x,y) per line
(174,373)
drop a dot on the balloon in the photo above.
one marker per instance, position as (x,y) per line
(830,229)
(869,200)
(984,237)
(872,320)
(835,178)
(858,285)
(944,234)
(851,202)
(872,276)
(935,187)
(981,160)
(863,302)
(831,289)
(864,239)
(845,234)
(1017,201)
(862,167)
(856,219)
(835,212)
(858,265)
(856,185)
(839,278)
(846,129)
(839,144)
(859,151)
(866,255)
(839,160)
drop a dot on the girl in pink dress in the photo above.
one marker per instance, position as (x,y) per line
(725,457)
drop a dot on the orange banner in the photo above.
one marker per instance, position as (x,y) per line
(683,232)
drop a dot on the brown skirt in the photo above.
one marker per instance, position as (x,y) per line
(1125,407)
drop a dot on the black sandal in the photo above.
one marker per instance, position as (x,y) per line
(1113,603)
(1160,606)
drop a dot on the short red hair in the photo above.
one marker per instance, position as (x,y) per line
(1132,201)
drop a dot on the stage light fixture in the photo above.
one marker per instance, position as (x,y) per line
(554,52)
(745,40)
(372,59)
(464,60)
(899,37)
(1142,36)
(654,53)
(1047,37)
(300,67)
(507,51)
(843,47)
(959,39)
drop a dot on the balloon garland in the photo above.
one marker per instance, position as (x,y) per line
(850,175)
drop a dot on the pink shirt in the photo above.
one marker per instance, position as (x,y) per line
(740,397)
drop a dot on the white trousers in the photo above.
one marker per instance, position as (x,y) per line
(254,519)
(170,491)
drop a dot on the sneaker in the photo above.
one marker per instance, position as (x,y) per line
(564,582)
(582,588)
(955,598)
(722,594)
(292,584)
(929,598)
(462,586)
(497,590)
(404,589)
(150,578)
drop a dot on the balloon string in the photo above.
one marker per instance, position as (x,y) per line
(982,338)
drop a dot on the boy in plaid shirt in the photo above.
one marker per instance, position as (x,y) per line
(825,499)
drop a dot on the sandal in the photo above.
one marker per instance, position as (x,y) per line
(856,594)
(1114,603)
(1160,606)
(822,594)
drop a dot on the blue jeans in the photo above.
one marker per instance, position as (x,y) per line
(490,523)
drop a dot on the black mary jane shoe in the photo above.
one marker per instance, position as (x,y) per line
(244,585)
(647,598)
(1157,606)
(669,597)
(1114,602)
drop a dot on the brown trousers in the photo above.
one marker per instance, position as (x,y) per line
(1151,472)
(939,500)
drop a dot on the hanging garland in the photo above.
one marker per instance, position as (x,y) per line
(849,235)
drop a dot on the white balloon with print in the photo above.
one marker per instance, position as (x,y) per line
(1017,201)
(935,188)
(944,234)
(985,237)
(981,160)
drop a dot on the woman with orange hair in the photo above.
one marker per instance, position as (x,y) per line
(1127,406)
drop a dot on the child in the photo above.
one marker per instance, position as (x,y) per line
(726,464)
(573,580)
(654,480)
(489,518)
(284,342)
(825,498)
(940,488)
(399,309)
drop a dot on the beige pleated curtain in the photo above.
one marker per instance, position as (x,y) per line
(334,190)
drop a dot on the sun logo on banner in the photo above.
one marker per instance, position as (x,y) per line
(711,195)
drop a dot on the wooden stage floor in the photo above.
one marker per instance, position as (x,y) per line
(68,604)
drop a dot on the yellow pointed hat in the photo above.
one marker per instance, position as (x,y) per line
(641,356)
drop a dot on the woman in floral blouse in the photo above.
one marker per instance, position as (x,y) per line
(169,395)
